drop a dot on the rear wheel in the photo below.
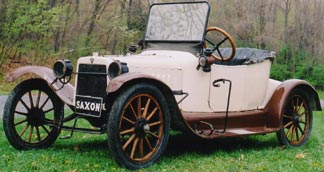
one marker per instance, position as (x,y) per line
(31,115)
(138,126)
(297,120)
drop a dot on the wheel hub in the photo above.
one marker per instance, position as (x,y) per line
(296,119)
(36,117)
(142,127)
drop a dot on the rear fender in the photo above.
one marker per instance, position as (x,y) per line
(275,106)
(66,92)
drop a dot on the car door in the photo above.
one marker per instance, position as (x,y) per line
(248,89)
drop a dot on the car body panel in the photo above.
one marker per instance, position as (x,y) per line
(249,85)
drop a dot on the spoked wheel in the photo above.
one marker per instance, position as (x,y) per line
(297,120)
(31,115)
(138,126)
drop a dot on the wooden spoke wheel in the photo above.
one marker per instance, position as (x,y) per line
(138,127)
(31,115)
(296,120)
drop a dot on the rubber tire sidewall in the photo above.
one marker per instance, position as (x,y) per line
(8,116)
(281,133)
(114,119)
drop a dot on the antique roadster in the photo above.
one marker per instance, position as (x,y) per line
(182,79)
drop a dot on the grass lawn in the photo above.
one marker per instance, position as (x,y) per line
(85,152)
(320,94)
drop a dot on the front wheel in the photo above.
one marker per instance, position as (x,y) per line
(296,118)
(138,126)
(31,115)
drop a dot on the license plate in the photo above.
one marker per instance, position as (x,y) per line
(88,106)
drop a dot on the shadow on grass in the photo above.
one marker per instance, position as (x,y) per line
(178,145)
(181,144)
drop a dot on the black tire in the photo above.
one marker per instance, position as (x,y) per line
(31,115)
(297,120)
(138,126)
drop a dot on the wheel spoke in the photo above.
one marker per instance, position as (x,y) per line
(297,135)
(21,113)
(300,107)
(48,121)
(25,105)
(302,122)
(148,143)
(151,114)
(289,131)
(133,110)
(139,107)
(128,131)
(292,103)
(20,122)
(296,105)
(24,130)
(134,148)
(38,134)
(300,129)
(45,129)
(49,110)
(141,147)
(31,99)
(128,120)
(155,123)
(302,114)
(129,141)
(44,103)
(146,107)
(288,116)
(292,134)
(30,133)
(288,124)
(38,98)
(154,135)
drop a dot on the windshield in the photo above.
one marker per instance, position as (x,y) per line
(177,22)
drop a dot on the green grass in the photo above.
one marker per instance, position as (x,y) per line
(85,152)
(320,94)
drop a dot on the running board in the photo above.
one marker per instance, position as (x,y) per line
(210,134)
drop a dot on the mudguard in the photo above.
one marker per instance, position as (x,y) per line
(64,92)
(275,105)
(177,120)
(119,81)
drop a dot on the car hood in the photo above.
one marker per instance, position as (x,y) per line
(161,59)
(167,66)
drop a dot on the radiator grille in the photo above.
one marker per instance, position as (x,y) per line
(92,80)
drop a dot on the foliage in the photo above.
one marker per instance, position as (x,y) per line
(39,32)
(24,29)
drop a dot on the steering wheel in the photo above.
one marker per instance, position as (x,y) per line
(216,46)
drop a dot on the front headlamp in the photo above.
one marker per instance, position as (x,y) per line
(62,68)
(117,68)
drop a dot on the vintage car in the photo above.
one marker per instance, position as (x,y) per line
(184,78)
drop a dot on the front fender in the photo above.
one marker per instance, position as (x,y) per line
(275,106)
(66,92)
(119,81)
(177,120)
